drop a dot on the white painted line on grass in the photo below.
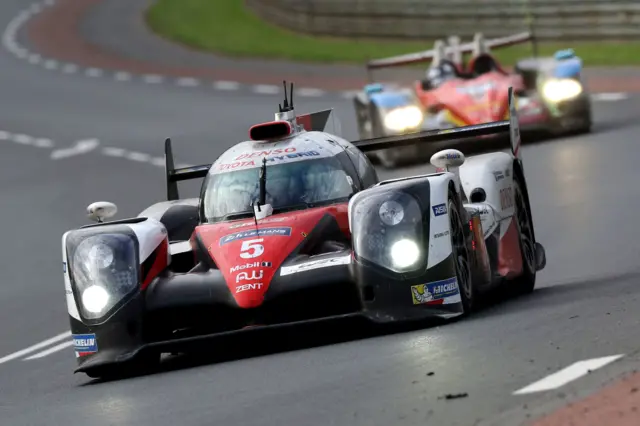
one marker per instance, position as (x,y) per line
(35,347)
(566,375)
(49,351)
(81,147)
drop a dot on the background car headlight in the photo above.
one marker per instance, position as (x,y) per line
(561,90)
(104,271)
(404,118)
(388,231)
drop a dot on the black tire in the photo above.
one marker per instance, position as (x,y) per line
(461,256)
(526,282)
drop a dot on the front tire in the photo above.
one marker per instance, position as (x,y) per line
(526,282)
(461,257)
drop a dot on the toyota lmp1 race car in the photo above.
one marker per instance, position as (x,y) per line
(551,95)
(294,226)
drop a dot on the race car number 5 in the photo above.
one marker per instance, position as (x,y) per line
(251,248)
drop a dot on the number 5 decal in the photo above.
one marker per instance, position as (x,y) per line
(251,248)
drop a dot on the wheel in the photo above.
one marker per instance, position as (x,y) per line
(460,252)
(526,282)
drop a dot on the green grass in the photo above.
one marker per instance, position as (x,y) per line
(227,27)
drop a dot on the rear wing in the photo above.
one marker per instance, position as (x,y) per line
(452,51)
(468,139)
(320,121)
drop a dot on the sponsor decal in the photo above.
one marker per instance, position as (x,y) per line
(506,198)
(507,173)
(498,175)
(293,156)
(244,276)
(85,344)
(264,232)
(236,165)
(250,266)
(441,234)
(437,290)
(452,156)
(439,209)
(265,153)
(320,263)
(268,220)
(245,287)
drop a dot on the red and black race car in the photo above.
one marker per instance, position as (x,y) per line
(294,226)
(551,94)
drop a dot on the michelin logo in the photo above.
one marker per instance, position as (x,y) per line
(264,232)
(85,343)
(424,293)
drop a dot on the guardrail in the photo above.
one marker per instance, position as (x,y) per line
(431,19)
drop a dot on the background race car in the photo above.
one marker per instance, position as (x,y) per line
(386,110)
(551,95)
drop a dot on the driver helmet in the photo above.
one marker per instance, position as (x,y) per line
(441,73)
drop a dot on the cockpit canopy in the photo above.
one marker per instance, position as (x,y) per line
(291,185)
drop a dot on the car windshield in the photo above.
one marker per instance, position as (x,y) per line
(290,185)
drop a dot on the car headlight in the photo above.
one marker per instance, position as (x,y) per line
(388,231)
(561,90)
(404,118)
(405,253)
(104,270)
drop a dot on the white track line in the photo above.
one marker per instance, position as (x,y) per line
(35,347)
(566,375)
(10,42)
(49,351)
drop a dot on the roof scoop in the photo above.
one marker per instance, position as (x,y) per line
(284,125)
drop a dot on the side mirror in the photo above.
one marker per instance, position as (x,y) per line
(447,158)
(101,210)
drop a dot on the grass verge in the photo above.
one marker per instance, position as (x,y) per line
(227,27)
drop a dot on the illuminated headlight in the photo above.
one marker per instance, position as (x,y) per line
(104,270)
(402,119)
(405,253)
(388,230)
(561,90)
(95,299)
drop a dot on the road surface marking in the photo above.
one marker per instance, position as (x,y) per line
(35,347)
(266,89)
(49,351)
(187,82)
(568,374)
(81,147)
(226,85)
(609,97)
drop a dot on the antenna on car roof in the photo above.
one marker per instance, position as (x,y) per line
(288,100)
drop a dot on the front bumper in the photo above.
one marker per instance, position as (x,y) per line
(176,315)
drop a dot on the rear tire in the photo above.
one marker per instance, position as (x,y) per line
(526,282)
(461,257)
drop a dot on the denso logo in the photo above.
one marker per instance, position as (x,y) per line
(266,153)
(245,287)
(244,276)
(251,265)
(440,209)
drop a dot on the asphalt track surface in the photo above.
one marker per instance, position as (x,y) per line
(585,202)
